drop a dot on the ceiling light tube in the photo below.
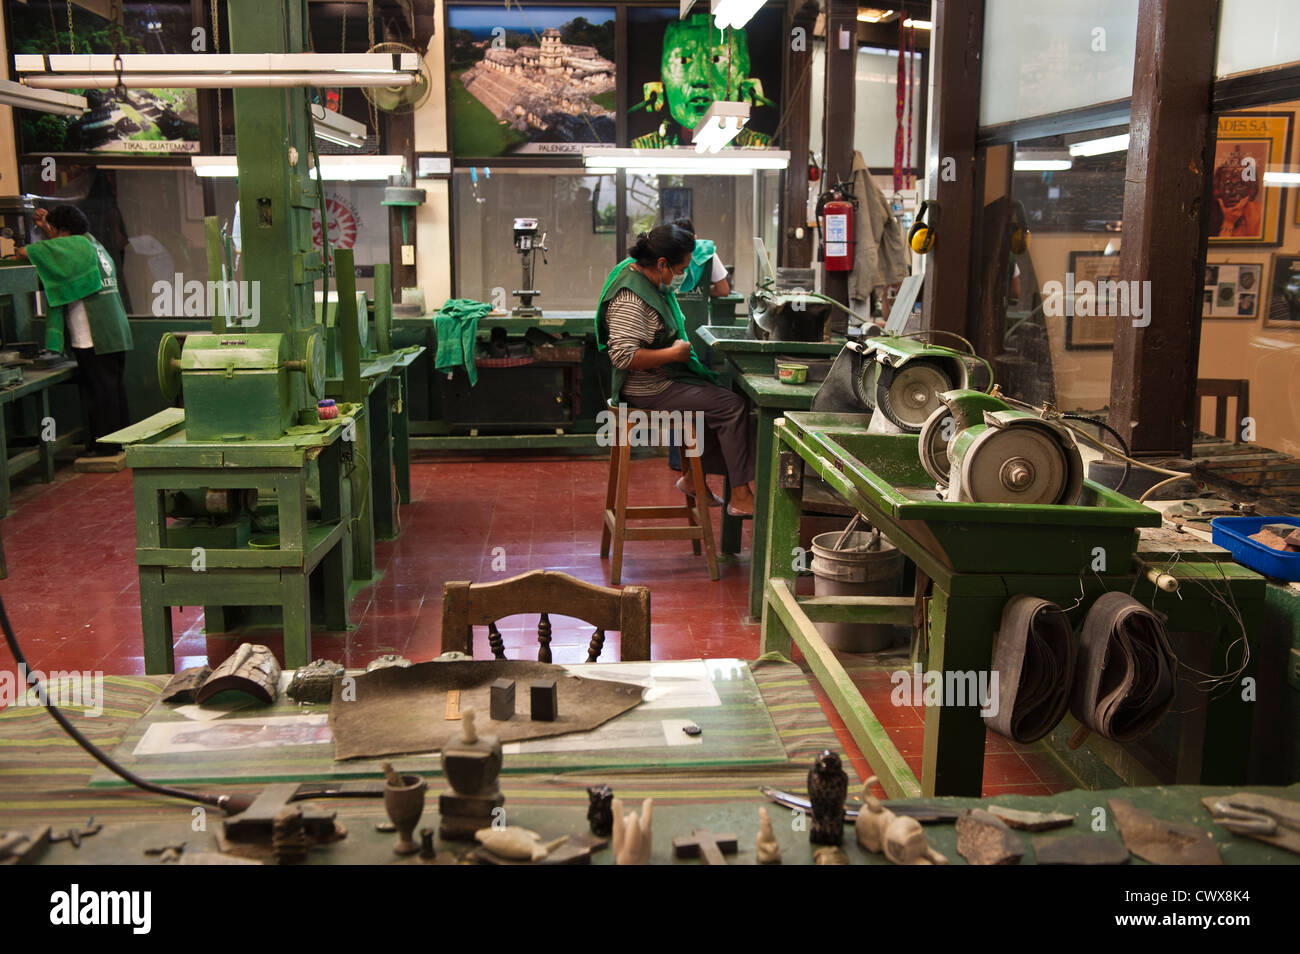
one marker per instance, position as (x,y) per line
(733,13)
(333,168)
(684,161)
(1282,178)
(1042,165)
(1099,147)
(210,70)
(722,122)
(919,24)
(334,127)
(41,100)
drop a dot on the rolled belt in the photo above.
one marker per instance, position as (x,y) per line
(1033,655)
(1126,669)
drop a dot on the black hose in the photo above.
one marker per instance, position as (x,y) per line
(224,802)
(1128,466)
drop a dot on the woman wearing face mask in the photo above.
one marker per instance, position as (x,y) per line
(639,322)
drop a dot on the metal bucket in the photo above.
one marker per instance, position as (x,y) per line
(855,571)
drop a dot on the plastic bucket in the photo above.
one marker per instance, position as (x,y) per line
(855,571)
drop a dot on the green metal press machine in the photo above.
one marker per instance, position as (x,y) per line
(246,499)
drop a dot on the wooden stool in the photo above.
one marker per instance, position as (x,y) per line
(618,513)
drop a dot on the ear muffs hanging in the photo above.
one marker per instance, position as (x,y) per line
(1019,229)
(924,232)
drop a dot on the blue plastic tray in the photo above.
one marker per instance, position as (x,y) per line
(1233,534)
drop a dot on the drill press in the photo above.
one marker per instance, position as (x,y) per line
(527,244)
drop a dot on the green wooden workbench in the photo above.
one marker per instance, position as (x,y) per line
(977,556)
(32,397)
(751,367)
(163,461)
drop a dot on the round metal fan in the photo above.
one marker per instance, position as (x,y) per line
(399,99)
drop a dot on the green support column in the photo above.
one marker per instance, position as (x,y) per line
(784,506)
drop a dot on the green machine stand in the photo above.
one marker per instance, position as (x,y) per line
(977,556)
(242,498)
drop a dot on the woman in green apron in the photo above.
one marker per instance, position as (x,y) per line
(639,323)
(86,315)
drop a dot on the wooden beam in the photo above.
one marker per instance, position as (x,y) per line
(841,73)
(952,181)
(796,94)
(1153,376)
(399,131)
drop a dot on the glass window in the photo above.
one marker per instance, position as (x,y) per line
(1052,55)
(1257,34)
(577,213)
(875,104)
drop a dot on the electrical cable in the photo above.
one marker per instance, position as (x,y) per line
(227,803)
(1128,466)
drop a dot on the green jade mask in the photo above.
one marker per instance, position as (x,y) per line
(699,60)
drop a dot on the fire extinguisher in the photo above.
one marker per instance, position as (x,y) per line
(835,217)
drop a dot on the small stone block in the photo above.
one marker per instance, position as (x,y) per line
(470,806)
(543,701)
(503,700)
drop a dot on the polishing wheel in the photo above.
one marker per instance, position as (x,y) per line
(316,365)
(909,394)
(932,446)
(864,383)
(1016,460)
(169,365)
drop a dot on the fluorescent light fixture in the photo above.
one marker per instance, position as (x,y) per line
(218,70)
(332,168)
(1042,160)
(721,124)
(41,100)
(874,15)
(1099,147)
(684,161)
(919,24)
(1282,178)
(733,13)
(334,127)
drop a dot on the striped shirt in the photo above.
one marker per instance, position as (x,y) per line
(634,325)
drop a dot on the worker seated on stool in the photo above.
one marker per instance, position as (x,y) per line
(705,267)
(638,320)
(80,284)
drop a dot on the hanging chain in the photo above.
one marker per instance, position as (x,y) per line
(343,44)
(116,16)
(216,48)
(72,40)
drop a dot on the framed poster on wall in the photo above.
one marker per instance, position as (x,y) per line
(1245,210)
(144,122)
(1284,293)
(1232,290)
(530,80)
(1090,322)
(677,68)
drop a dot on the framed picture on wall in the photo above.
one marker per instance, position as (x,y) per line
(1232,290)
(1089,320)
(1284,293)
(1245,210)
(675,204)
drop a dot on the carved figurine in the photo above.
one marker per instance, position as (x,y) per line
(827,787)
(600,812)
(252,668)
(517,844)
(769,852)
(901,839)
(314,682)
(632,834)
(471,765)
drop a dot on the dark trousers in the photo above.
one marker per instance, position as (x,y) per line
(729,434)
(103,394)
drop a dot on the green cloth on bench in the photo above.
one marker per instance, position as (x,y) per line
(456,325)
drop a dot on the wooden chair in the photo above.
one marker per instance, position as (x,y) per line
(625,610)
(698,528)
(1221,389)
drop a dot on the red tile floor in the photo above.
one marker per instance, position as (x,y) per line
(73,597)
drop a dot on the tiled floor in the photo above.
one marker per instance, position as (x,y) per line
(73,598)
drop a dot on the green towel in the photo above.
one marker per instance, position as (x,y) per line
(68,267)
(701,263)
(456,325)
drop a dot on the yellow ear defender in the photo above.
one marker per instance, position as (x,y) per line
(1019,229)
(923,233)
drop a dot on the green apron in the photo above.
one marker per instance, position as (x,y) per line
(665,304)
(59,264)
(701,260)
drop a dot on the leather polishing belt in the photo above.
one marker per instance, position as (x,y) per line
(1033,655)
(1126,669)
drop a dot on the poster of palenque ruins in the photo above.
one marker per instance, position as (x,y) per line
(534,80)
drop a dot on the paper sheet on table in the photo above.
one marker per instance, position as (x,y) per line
(679,684)
(168,738)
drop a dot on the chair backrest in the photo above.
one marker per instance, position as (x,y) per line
(623,609)
(1221,389)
